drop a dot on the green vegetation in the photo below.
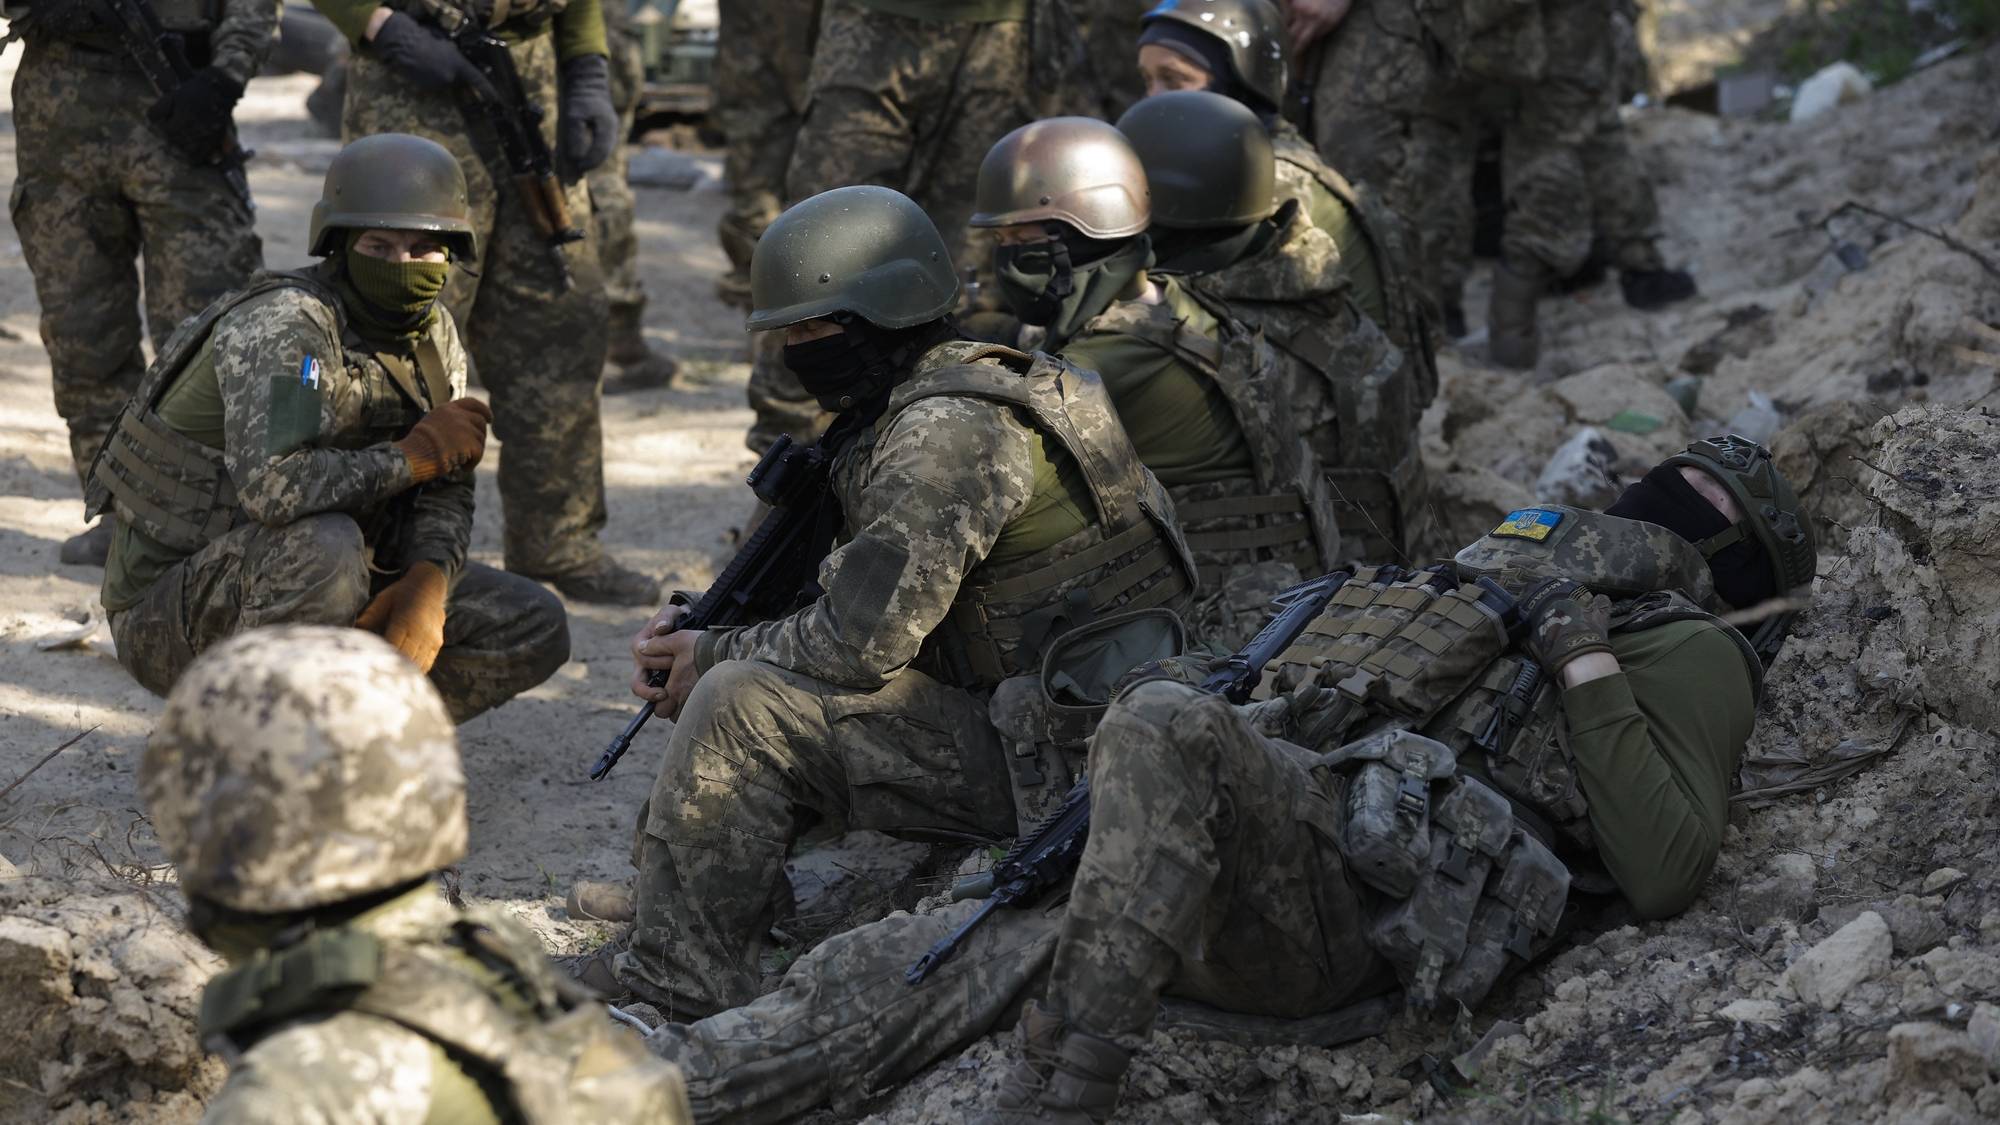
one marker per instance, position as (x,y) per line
(1882,37)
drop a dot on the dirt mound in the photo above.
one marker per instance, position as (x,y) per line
(102,986)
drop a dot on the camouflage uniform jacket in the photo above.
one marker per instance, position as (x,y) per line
(1246,524)
(277,408)
(925,496)
(416,1012)
(237,33)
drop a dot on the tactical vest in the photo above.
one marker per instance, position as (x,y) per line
(1394,247)
(1131,557)
(178,491)
(544,1044)
(1354,393)
(1453,761)
(1290,515)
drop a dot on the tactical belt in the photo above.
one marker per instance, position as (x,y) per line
(982,619)
(157,476)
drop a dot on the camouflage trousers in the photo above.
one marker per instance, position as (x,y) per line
(538,348)
(1210,874)
(97,190)
(913,105)
(763,57)
(760,754)
(503,634)
(613,208)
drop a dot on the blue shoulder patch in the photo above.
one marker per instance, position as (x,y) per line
(1528,523)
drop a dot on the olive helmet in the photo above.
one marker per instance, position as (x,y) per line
(1252,33)
(867,251)
(1208,159)
(1772,516)
(300,766)
(394,181)
(1074,170)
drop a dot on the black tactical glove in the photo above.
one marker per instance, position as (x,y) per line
(195,119)
(1565,621)
(423,55)
(587,127)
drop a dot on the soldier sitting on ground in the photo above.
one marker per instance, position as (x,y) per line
(305,781)
(989,501)
(1204,400)
(1346,836)
(302,452)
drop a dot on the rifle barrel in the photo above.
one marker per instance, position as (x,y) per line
(942,951)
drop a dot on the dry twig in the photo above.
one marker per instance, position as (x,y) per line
(47,758)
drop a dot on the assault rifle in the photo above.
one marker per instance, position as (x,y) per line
(774,572)
(162,57)
(1046,857)
(516,121)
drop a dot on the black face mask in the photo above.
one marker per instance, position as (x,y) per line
(859,364)
(1742,570)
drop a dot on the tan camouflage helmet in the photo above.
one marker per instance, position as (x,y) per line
(300,766)
(1074,170)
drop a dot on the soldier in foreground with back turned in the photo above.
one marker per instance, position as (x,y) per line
(306,784)
(1346,836)
(1237,247)
(989,502)
(535,313)
(1203,398)
(302,452)
(110,170)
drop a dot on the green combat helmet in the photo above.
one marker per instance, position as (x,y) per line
(1250,31)
(867,251)
(394,181)
(300,766)
(1074,170)
(1772,515)
(1207,157)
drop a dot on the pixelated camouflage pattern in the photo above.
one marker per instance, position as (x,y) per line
(96,187)
(1355,397)
(912,104)
(1108,82)
(1614,556)
(300,766)
(755,748)
(444,1034)
(927,492)
(538,349)
(763,56)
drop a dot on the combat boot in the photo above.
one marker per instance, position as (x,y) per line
(1513,338)
(595,970)
(88,548)
(633,364)
(1065,1076)
(608,582)
(592,901)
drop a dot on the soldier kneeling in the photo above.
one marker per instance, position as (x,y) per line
(306,784)
(302,453)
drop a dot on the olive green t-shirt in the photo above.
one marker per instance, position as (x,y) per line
(1058,508)
(1656,748)
(1332,215)
(1177,417)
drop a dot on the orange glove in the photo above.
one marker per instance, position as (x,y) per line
(447,439)
(409,613)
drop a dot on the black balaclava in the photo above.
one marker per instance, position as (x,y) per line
(1208,53)
(1063,283)
(1743,572)
(858,365)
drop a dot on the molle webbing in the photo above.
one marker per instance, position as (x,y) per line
(157,477)
(1289,541)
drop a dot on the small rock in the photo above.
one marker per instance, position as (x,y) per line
(1984,1031)
(1915,928)
(1940,879)
(1852,954)
(1931,1055)
(1747,1010)
(1573,990)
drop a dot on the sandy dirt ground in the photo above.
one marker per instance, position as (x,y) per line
(1821,341)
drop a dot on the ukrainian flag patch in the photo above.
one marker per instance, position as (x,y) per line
(1528,523)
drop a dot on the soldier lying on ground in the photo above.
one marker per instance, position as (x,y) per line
(1232,863)
(988,501)
(302,452)
(306,783)
(1203,398)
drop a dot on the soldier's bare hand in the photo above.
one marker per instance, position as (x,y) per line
(646,658)
(672,654)
(1307,20)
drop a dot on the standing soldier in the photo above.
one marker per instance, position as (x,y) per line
(762,61)
(989,503)
(1204,399)
(302,452)
(306,784)
(534,315)
(108,171)
(631,364)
